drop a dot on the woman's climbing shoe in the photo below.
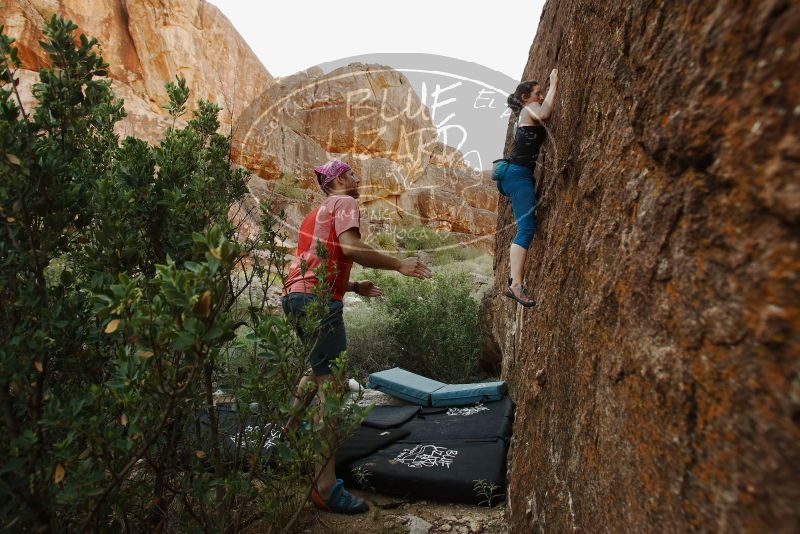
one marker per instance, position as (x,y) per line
(521,295)
(340,501)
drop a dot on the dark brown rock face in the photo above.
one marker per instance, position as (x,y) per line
(658,380)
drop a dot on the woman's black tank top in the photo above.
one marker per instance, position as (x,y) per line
(527,142)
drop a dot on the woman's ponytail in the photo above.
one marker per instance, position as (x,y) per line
(514,100)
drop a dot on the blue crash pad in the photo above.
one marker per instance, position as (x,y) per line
(420,390)
(405,385)
(462,394)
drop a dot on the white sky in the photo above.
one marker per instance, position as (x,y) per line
(290,36)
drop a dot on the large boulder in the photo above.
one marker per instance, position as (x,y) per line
(657,381)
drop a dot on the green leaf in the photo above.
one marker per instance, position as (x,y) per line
(183,341)
(213,333)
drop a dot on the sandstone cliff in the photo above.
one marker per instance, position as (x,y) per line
(367,115)
(146,44)
(658,380)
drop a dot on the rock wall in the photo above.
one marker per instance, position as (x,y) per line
(657,382)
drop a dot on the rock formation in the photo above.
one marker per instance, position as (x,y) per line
(657,381)
(370,117)
(367,115)
(146,44)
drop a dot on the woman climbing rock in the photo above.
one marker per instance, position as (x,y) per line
(532,109)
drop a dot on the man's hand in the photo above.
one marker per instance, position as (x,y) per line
(553,76)
(368,289)
(414,266)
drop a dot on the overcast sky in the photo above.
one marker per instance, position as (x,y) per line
(290,36)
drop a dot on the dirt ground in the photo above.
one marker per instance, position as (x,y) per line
(391,515)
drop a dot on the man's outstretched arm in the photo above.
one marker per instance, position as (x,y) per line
(363,254)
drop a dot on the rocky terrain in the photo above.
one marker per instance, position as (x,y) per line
(389,515)
(366,115)
(658,380)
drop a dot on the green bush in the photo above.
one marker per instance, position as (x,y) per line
(433,322)
(288,185)
(443,248)
(371,343)
(455,253)
(119,288)
(422,238)
(384,241)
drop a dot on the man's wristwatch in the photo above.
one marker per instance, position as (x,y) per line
(355,288)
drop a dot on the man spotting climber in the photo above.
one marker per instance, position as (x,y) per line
(335,225)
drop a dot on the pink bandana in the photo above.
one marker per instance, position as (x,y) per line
(330,171)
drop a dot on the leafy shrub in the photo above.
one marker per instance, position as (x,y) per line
(384,241)
(371,343)
(443,247)
(288,185)
(119,283)
(422,238)
(455,253)
(434,322)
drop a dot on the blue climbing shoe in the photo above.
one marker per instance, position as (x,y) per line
(340,501)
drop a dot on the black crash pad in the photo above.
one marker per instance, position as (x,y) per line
(453,471)
(390,416)
(487,420)
(237,433)
(365,441)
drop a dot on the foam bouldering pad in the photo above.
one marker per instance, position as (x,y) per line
(405,385)
(365,441)
(238,433)
(462,394)
(488,420)
(390,416)
(452,471)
